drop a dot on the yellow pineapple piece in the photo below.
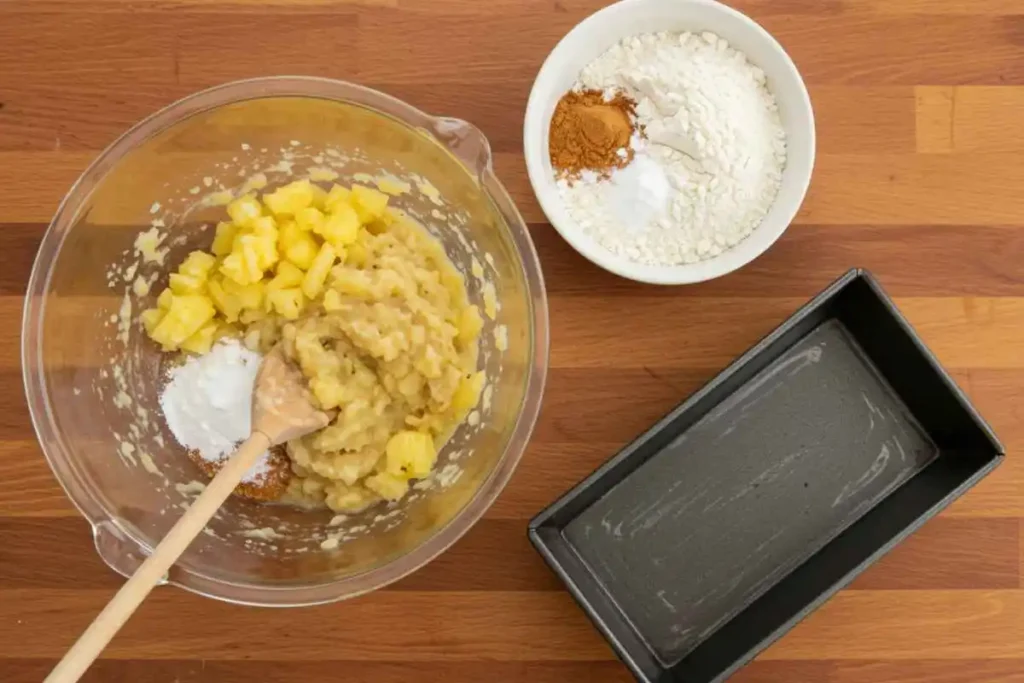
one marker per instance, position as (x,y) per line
(224,238)
(470,324)
(228,305)
(163,302)
(249,316)
(201,341)
(467,394)
(183,319)
(290,199)
(319,197)
(258,254)
(410,455)
(387,485)
(341,227)
(287,302)
(266,250)
(303,252)
(316,276)
(337,196)
(198,264)
(244,264)
(355,254)
(332,301)
(186,284)
(150,318)
(368,202)
(310,218)
(264,226)
(244,210)
(233,268)
(248,296)
(288,275)
(288,234)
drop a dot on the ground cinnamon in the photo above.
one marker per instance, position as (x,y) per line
(588,132)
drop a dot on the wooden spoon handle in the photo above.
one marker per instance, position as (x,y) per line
(132,593)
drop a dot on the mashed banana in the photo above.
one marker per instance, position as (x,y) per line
(368,305)
(395,354)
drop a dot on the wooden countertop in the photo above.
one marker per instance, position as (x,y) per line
(920,177)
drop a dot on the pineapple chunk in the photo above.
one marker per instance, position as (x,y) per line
(202,340)
(150,318)
(244,210)
(290,199)
(316,276)
(224,239)
(265,226)
(332,301)
(248,296)
(289,234)
(287,302)
(198,264)
(387,486)
(368,202)
(250,316)
(410,455)
(337,196)
(244,264)
(470,324)
(266,251)
(233,267)
(302,252)
(356,255)
(186,284)
(319,197)
(341,228)
(467,394)
(263,250)
(183,319)
(163,302)
(288,275)
(310,218)
(228,305)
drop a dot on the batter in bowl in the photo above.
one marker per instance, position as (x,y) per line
(367,304)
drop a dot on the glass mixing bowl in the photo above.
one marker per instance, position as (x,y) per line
(92,380)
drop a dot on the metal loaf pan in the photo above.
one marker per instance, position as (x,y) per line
(767,490)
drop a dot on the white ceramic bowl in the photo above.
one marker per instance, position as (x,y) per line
(600,31)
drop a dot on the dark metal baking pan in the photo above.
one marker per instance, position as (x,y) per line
(768,490)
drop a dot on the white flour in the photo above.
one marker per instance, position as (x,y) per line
(711,165)
(207,403)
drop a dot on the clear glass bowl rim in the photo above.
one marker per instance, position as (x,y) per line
(59,455)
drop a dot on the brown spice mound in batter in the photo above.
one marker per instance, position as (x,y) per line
(587,132)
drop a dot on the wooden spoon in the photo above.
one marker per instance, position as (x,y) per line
(282,410)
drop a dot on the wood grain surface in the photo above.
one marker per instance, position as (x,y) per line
(920,177)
